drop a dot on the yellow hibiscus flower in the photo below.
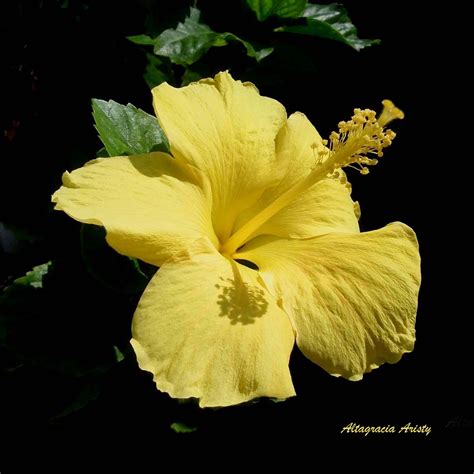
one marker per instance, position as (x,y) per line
(257,239)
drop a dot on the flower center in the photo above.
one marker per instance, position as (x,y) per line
(355,145)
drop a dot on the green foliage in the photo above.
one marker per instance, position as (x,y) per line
(51,323)
(143,40)
(188,44)
(119,355)
(34,277)
(252,52)
(190,40)
(282,8)
(325,21)
(331,22)
(193,74)
(157,71)
(182,428)
(33,322)
(88,393)
(126,130)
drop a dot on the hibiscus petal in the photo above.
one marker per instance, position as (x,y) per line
(206,328)
(227,130)
(325,207)
(151,205)
(352,298)
(298,145)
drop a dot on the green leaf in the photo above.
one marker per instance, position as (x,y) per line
(19,293)
(190,75)
(182,428)
(102,153)
(119,273)
(143,40)
(331,22)
(119,355)
(157,72)
(86,395)
(126,130)
(188,42)
(251,50)
(57,326)
(278,400)
(282,8)
(35,276)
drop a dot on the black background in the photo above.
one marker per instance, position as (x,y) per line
(69,55)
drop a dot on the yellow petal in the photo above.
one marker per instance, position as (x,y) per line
(206,328)
(151,205)
(298,145)
(325,207)
(352,298)
(227,130)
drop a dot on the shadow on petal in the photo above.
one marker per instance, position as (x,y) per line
(239,301)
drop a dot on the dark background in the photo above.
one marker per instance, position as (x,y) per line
(58,55)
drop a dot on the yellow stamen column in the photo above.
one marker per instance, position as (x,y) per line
(355,145)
